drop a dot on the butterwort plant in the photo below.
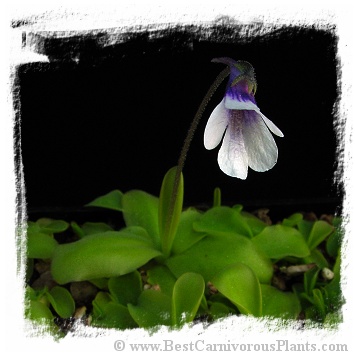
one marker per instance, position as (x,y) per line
(171,265)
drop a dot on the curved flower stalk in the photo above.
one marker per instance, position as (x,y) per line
(247,140)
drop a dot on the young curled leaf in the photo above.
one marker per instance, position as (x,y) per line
(169,214)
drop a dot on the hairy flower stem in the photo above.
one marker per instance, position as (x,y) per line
(190,134)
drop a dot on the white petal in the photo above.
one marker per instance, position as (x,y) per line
(259,143)
(271,125)
(215,127)
(239,105)
(232,156)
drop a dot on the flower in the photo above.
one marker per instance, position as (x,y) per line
(247,140)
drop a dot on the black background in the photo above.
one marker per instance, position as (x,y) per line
(103,117)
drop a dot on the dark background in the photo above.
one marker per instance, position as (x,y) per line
(112,113)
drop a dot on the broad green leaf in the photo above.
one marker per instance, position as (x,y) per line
(112,315)
(241,286)
(126,288)
(111,200)
(186,235)
(316,257)
(40,245)
(256,225)
(218,250)
(62,301)
(141,209)
(187,295)
(279,304)
(101,255)
(138,231)
(36,310)
(95,227)
(223,220)
(161,276)
(320,230)
(280,241)
(293,220)
(153,309)
(99,303)
(32,294)
(48,225)
(220,298)
(305,227)
(169,209)
(115,316)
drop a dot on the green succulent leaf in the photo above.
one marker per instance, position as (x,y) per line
(62,301)
(316,257)
(36,310)
(141,209)
(95,227)
(110,314)
(293,220)
(169,216)
(111,200)
(186,235)
(305,227)
(161,276)
(98,304)
(101,255)
(241,286)
(279,304)
(153,309)
(48,225)
(319,232)
(40,245)
(256,225)
(126,288)
(187,294)
(223,219)
(280,241)
(218,250)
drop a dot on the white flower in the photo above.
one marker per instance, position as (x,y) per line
(247,140)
